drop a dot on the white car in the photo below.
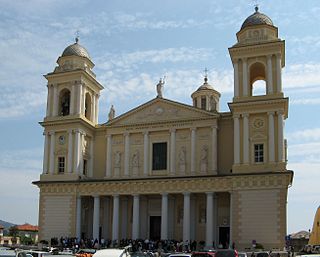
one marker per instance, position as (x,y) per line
(112,253)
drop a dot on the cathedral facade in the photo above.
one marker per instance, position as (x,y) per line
(168,170)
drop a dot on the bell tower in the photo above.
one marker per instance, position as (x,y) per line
(258,58)
(71,116)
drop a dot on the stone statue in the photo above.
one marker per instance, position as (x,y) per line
(160,87)
(212,104)
(135,159)
(204,159)
(117,159)
(182,160)
(112,113)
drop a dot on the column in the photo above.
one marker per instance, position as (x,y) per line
(215,219)
(115,220)
(78,218)
(270,82)
(97,108)
(209,219)
(193,151)
(236,138)
(245,77)
(76,152)
(126,153)
(80,153)
(45,153)
(278,67)
(231,219)
(106,217)
(271,136)
(55,106)
(145,153)
(96,217)
(280,137)
(93,108)
(236,77)
(83,99)
(164,216)
(186,216)
(108,156)
(78,102)
(172,151)
(90,167)
(48,111)
(214,157)
(245,138)
(51,155)
(70,150)
(135,217)
(72,100)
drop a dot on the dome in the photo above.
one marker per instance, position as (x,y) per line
(76,49)
(205,85)
(257,18)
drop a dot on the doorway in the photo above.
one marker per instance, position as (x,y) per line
(224,235)
(155,227)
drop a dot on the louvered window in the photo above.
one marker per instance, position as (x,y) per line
(159,156)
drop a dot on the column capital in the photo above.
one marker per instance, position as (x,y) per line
(116,195)
(145,132)
(209,193)
(236,116)
(245,115)
(135,195)
(45,133)
(186,193)
(172,130)
(214,126)
(108,136)
(164,194)
(96,196)
(193,128)
(126,134)
(278,55)
(51,133)
(70,131)
(244,59)
(269,56)
(281,112)
(270,113)
(235,61)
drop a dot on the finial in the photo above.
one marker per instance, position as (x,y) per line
(206,75)
(77,36)
(256,7)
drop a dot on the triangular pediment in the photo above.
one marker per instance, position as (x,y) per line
(160,110)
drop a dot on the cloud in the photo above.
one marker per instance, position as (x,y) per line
(305,135)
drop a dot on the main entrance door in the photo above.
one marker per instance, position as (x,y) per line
(155,227)
(224,233)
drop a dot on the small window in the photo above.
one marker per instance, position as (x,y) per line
(85,167)
(258,153)
(159,156)
(61,164)
(203,102)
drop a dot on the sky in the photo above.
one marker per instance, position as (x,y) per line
(133,44)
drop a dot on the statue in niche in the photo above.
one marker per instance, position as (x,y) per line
(112,113)
(135,162)
(182,159)
(213,104)
(204,159)
(160,87)
(117,159)
(65,104)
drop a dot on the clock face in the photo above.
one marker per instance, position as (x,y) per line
(258,123)
(62,140)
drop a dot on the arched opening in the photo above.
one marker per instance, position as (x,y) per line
(64,102)
(87,108)
(258,79)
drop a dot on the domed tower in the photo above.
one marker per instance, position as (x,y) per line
(71,116)
(205,97)
(258,58)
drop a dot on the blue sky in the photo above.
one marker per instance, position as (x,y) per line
(133,44)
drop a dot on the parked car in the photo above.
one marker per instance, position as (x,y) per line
(210,253)
(112,253)
(226,253)
(242,254)
(180,255)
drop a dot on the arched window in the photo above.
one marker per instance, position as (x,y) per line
(258,79)
(64,102)
(87,108)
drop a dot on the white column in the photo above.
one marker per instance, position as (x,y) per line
(55,106)
(106,217)
(126,153)
(48,111)
(45,153)
(90,167)
(236,77)
(245,138)
(164,216)
(214,143)
(93,108)
(215,219)
(51,155)
(72,100)
(172,151)
(76,152)
(78,218)
(231,219)
(135,217)
(278,67)
(79,99)
(96,217)
(245,77)
(70,150)
(97,108)
(115,220)
(108,156)
(80,153)
(270,82)
(83,99)
(186,216)
(209,220)
(236,138)
(271,137)
(193,151)
(145,153)
(280,137)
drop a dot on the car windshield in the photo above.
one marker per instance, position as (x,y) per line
(225,254)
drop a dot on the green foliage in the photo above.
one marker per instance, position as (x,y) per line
(13,231)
